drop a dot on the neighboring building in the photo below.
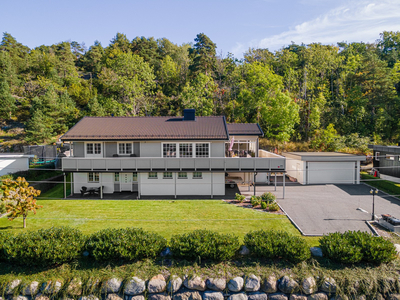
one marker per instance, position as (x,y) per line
(324,167)
(13,162)
(169,156)
(386,159)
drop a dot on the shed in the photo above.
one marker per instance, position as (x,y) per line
(13,162)
(324,167)
(386,159)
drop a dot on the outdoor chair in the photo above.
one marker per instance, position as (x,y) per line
(84,191)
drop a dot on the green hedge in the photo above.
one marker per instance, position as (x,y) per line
(44,247)
(124,243)
(3,239)
(357,246)
(277,244)
(204,244)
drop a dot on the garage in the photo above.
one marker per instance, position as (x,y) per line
(323,167)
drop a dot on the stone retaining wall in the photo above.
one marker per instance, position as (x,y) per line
(174,287)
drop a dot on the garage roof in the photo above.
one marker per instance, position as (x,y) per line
(324,156)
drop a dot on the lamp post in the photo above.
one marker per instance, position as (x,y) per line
(373,192)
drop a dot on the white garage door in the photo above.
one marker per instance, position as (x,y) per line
(331,172)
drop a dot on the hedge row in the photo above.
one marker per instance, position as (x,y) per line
(55,246)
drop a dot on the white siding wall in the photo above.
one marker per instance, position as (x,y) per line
(106,180)
(296,169)
(13,164)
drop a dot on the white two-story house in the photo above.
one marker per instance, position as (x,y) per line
(164,156)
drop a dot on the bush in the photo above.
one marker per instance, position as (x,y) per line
(357,246)
(124,243)
(275,244)
(45,246)
(255,200)
(273,206)
(3,239)
(205,244)
(264,205)
(269,197)
(240,197)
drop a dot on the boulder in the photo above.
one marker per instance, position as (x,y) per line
(240,296)
(89,297)
(257,296)
(318,296)
(235,284)
(338,297)
(269,285)
(137,297)
(252,283)
(157,284)
(51,287)
(212,295)
(159,297)
(216,284)
(20,297)
(288,285)
(394,297)
(174,284)
(329,285)
(362,297)
(114,297)
(397,246)
(244,250)
(309,285)
(379,297)
(277,296)
(195,283)
(111,286)
(134,286)
(75,287)
(187,296)
(30,289)
(12,286)
(316,252)
(297,297)
(41,297)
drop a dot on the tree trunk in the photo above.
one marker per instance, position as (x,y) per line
(24,222)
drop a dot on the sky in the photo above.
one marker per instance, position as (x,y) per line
(234,25)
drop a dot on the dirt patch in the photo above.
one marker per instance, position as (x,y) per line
(247,204)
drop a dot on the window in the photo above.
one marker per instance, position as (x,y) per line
(93,177)
(167,175)
(197,175)
(124,148)
(182,175)
(116,177)
(93,148)
(152,175)
(134,176)
(202,150)
(185,150)
(169,150)
(377,154)
(389,157)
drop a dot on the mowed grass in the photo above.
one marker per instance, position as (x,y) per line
(166,217)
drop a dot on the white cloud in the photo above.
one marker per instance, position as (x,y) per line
(357,21)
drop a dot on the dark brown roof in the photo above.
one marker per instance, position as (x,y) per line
(147,128)
(244,129)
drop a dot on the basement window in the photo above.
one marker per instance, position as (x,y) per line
(153,175)
(389,157)
(182,175)
(377,154)
(197,175)
(167,175)
(93,177)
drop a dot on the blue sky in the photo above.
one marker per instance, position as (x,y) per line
(233,25)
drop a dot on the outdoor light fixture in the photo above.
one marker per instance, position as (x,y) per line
(373,192)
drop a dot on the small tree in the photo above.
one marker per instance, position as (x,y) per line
(19,198)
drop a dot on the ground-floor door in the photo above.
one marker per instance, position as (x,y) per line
(126,182)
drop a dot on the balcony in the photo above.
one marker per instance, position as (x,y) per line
(275,163)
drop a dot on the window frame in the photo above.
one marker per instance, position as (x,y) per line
(179,175)
(190,147)
(377,154)
(94,154)
(208,148)
(197,177)
(176,150)
(152,177)
(124,143)
(116,174)
(94,177)
(390,157)
(168,177)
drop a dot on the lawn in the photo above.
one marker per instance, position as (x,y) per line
(387,186)
(166,217)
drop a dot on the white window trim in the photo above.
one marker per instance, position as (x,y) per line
(178,155)
(148,175)
(172,175)
(125,148)
(197,177)
(93,177)
(94,155)
(183,177)
(377,154)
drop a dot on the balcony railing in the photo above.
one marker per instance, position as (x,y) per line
(149,164)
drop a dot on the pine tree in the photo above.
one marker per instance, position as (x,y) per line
(7,102)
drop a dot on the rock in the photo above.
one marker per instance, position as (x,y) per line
(157,284)
(277,296)
(240,296)
(397,246)
(288,285)
(111,286)
(379,297)
(244,250)
(269,285)
(362,297)
(134,286)
(89,297)
(318,296)
(174,284)
(316,252)
(216,284)
(12,286)
(235,284)
(41,297)
(252,283)
(113,297)
(137,297)
(187,296)
(166,252)
(394,297)
(309,285)
(257,296)
(20,297)
(195,283)
(297,297)
(329,285)
(159,297)
(75,287)
(211,295)
(338,297)
(51,288)
(30,289)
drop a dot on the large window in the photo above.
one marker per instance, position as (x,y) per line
(169,150)
(240,148)
(124,148)
(202,150)
(93,177)
(93,148)
(185,150)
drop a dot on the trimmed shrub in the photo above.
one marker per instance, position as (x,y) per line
(268,197)
(273,206)
(264,205)
(44,247)
(276,244)
(356,246)
(124,243)
(240,197)
(204,244)
(255,200)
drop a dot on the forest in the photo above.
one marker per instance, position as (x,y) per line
(327,96)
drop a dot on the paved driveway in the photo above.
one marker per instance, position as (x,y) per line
(320,209)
